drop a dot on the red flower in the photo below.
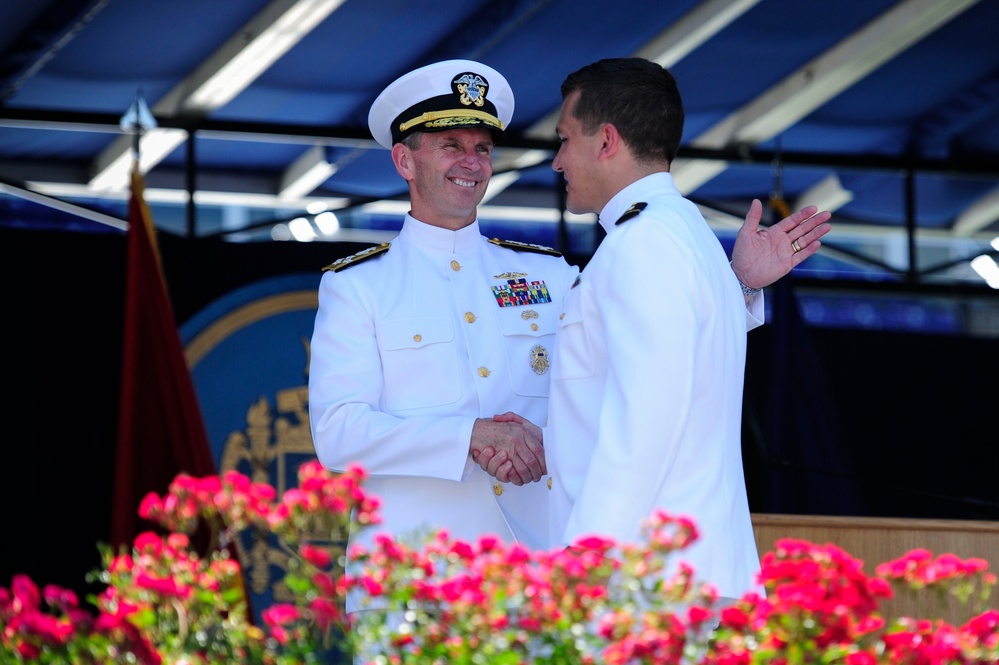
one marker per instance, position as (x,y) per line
(280,615)
(25,591)
(734,618)
(317,556)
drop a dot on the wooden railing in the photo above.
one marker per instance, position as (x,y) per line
(877,540)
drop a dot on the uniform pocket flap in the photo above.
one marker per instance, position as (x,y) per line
(415,333)
(571,315)
(531,321)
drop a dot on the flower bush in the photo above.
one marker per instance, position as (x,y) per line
(164,603)
(438,600)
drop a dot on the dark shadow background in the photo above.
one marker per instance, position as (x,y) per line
(837,422)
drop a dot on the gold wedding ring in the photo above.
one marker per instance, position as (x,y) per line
(795,246)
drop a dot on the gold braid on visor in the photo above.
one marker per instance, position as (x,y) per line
(451,117)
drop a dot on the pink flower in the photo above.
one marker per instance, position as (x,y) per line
(734,618)
(372,586)
(280,615)
(860,658)
(25,591)
(595,543)
(317,556)
(164,587)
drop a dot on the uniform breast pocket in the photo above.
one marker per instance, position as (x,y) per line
(574,346)
(529,342)
(420,362)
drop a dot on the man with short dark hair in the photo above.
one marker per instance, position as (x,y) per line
(645,409)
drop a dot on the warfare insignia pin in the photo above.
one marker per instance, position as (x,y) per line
(539,359)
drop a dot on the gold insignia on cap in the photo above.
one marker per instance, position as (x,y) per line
(471,89)
(539,359)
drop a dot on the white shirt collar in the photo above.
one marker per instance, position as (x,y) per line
(436,239)
(640,190)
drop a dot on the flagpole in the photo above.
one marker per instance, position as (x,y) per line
(138,119)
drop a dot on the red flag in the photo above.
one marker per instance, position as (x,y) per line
(160,428)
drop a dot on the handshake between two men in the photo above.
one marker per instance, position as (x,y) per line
(509,448)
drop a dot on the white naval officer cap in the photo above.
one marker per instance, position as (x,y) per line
(445,95)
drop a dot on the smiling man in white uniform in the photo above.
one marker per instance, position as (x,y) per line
(418,343)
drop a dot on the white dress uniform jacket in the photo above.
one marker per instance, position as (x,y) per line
(645,410)
(413,344)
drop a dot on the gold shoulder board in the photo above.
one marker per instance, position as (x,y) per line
(354,259)
(525,247)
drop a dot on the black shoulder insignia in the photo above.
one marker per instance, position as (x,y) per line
(354,259)
(525,247)
(631,212)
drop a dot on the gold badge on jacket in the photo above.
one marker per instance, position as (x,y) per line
(539,359)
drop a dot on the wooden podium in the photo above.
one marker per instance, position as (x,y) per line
(878,540)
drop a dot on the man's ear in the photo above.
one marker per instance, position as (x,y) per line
(403,161)
(611,142)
